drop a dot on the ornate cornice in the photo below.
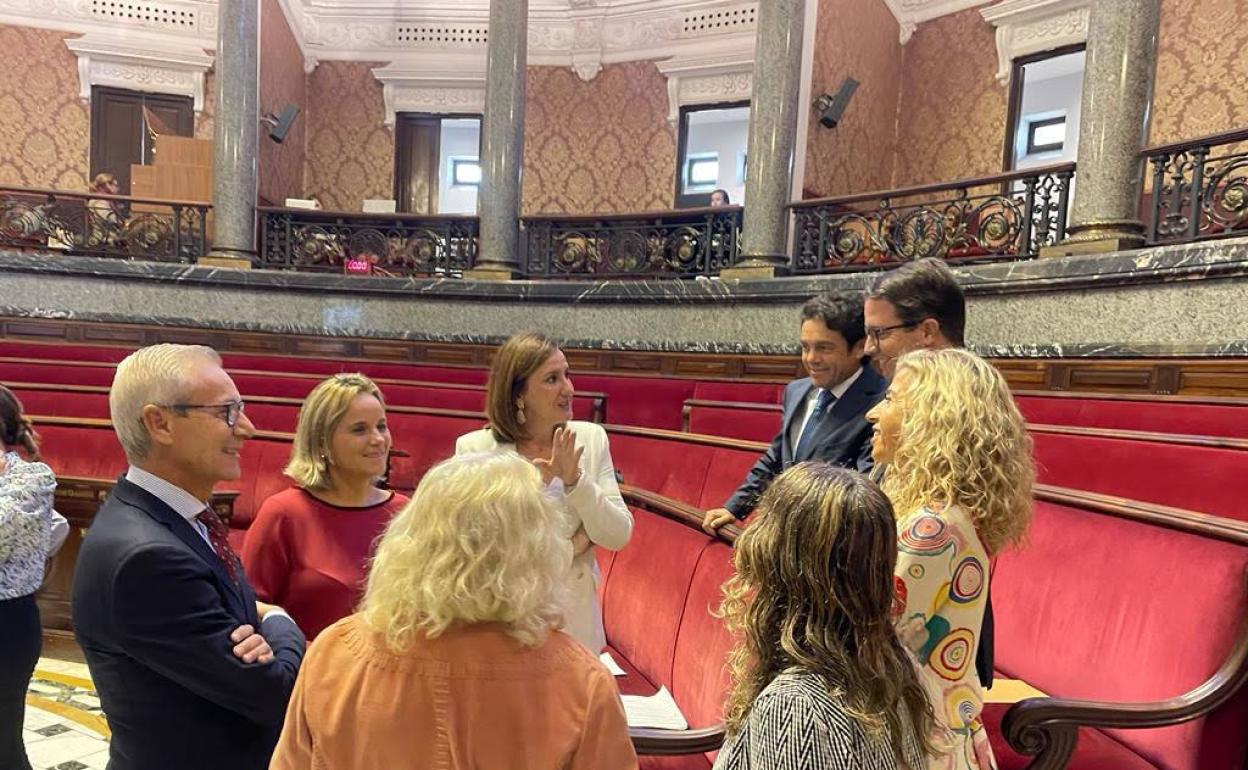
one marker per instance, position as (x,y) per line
(727,77)
(139,64)
(436,86)
(1030,26)
(911,13)
(167,20)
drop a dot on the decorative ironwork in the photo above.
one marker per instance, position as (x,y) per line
(1006,216)
(661,244)
(382,244)
(101,225)
(1199,189)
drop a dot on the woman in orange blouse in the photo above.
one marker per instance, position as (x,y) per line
(451,661)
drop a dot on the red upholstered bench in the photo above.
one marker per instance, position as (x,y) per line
(697,470)
(657,597)
(1131,617)
(1190,415)
(1194,472)
(749,392)
(739,419)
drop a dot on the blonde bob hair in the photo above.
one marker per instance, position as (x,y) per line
(962,442)
(319,416)
(518,358)
(477,543)
(157,374)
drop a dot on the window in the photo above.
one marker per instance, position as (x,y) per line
(465,172)
(711,146)
(702,172)
(1046,135)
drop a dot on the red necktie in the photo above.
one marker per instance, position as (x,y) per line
(218,535)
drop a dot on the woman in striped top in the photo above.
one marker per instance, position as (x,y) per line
(820,680)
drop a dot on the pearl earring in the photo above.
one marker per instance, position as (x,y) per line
(520,412)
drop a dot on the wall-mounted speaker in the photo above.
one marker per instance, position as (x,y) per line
(279,125)
(832,106)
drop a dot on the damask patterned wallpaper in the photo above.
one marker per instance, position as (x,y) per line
(44,126)
(857,38)
(350,151)
(952,113)
(282,82)
(604,146)
(1202,69)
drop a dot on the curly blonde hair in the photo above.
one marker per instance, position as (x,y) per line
(477,543)
(962,442)
(814,589)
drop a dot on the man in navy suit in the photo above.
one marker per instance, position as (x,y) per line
(191,670)
(824,414)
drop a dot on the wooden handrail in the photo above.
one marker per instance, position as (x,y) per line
(74,194)
(901,192)
(676,435)
(1181,439)
(1221,137)
(1162,398)
(370,216)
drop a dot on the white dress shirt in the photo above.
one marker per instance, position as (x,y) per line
(838,390)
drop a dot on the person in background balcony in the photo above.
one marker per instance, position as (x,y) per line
(820,680)
(719,198)
(30,533)
(104,216)
(824,414)
(452,660)
(309,546)
(959,475)
(529,405)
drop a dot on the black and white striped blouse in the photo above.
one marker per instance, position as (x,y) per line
(796,724)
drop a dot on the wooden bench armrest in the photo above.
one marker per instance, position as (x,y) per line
(1049,727)
(647,740)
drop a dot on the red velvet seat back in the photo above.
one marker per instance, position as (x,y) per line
(648,402)
(644,600)
(62,350)
(747,424)
(57,374)
(668,466)
(1108,608)
(428,439)
(380,370)
(92,452)
(700,677)
(728,469)
(1156,416)
(1205,479)
(755,392)
(61,403)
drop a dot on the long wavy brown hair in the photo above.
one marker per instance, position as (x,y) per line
(814,590)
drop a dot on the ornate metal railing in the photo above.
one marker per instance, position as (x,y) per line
(382,244)
(1199,188)
(659,244)
(1004,216)
(101,225)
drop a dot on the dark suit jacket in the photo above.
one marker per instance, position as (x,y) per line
(153,611)
(843,437)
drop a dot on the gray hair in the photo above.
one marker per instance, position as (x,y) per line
(151,375)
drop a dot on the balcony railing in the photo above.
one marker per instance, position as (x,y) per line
(657,244)
(101,225)
(383,244)
(1199,188)
(1004,216)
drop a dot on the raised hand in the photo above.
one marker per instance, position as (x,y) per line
(564,462)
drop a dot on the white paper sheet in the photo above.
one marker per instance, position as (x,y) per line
(611,665)
(658,710)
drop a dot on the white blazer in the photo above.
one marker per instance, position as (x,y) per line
(594,503)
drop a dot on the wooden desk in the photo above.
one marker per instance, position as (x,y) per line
(77,499)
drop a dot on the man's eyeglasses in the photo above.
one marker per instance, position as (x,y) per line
(228,412)
(876,333)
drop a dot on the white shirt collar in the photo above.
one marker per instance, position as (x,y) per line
(839,389)
(184,503)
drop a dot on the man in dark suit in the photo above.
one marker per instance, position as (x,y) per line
(191,670)
(824,414)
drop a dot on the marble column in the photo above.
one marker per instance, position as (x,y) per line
(1117,96)
(502,129)
(235,133)
(773,130)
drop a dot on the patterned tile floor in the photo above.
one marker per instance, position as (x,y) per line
(64,729)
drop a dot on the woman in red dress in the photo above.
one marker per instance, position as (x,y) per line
(308,548)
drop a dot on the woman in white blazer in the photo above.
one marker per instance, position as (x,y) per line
(529,403)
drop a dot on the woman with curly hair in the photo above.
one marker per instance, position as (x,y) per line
(820,680)
(956,464)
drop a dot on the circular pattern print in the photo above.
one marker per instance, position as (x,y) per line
(968,581)
(961,706)
(953,654)
(916,571)
(925,534)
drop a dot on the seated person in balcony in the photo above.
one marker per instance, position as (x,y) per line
(191,670)
(529,405)
(824,414)
(30,533)
(104,216)
(820,680)
(454,659)
(308,548)
(959,475)
(719,197)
